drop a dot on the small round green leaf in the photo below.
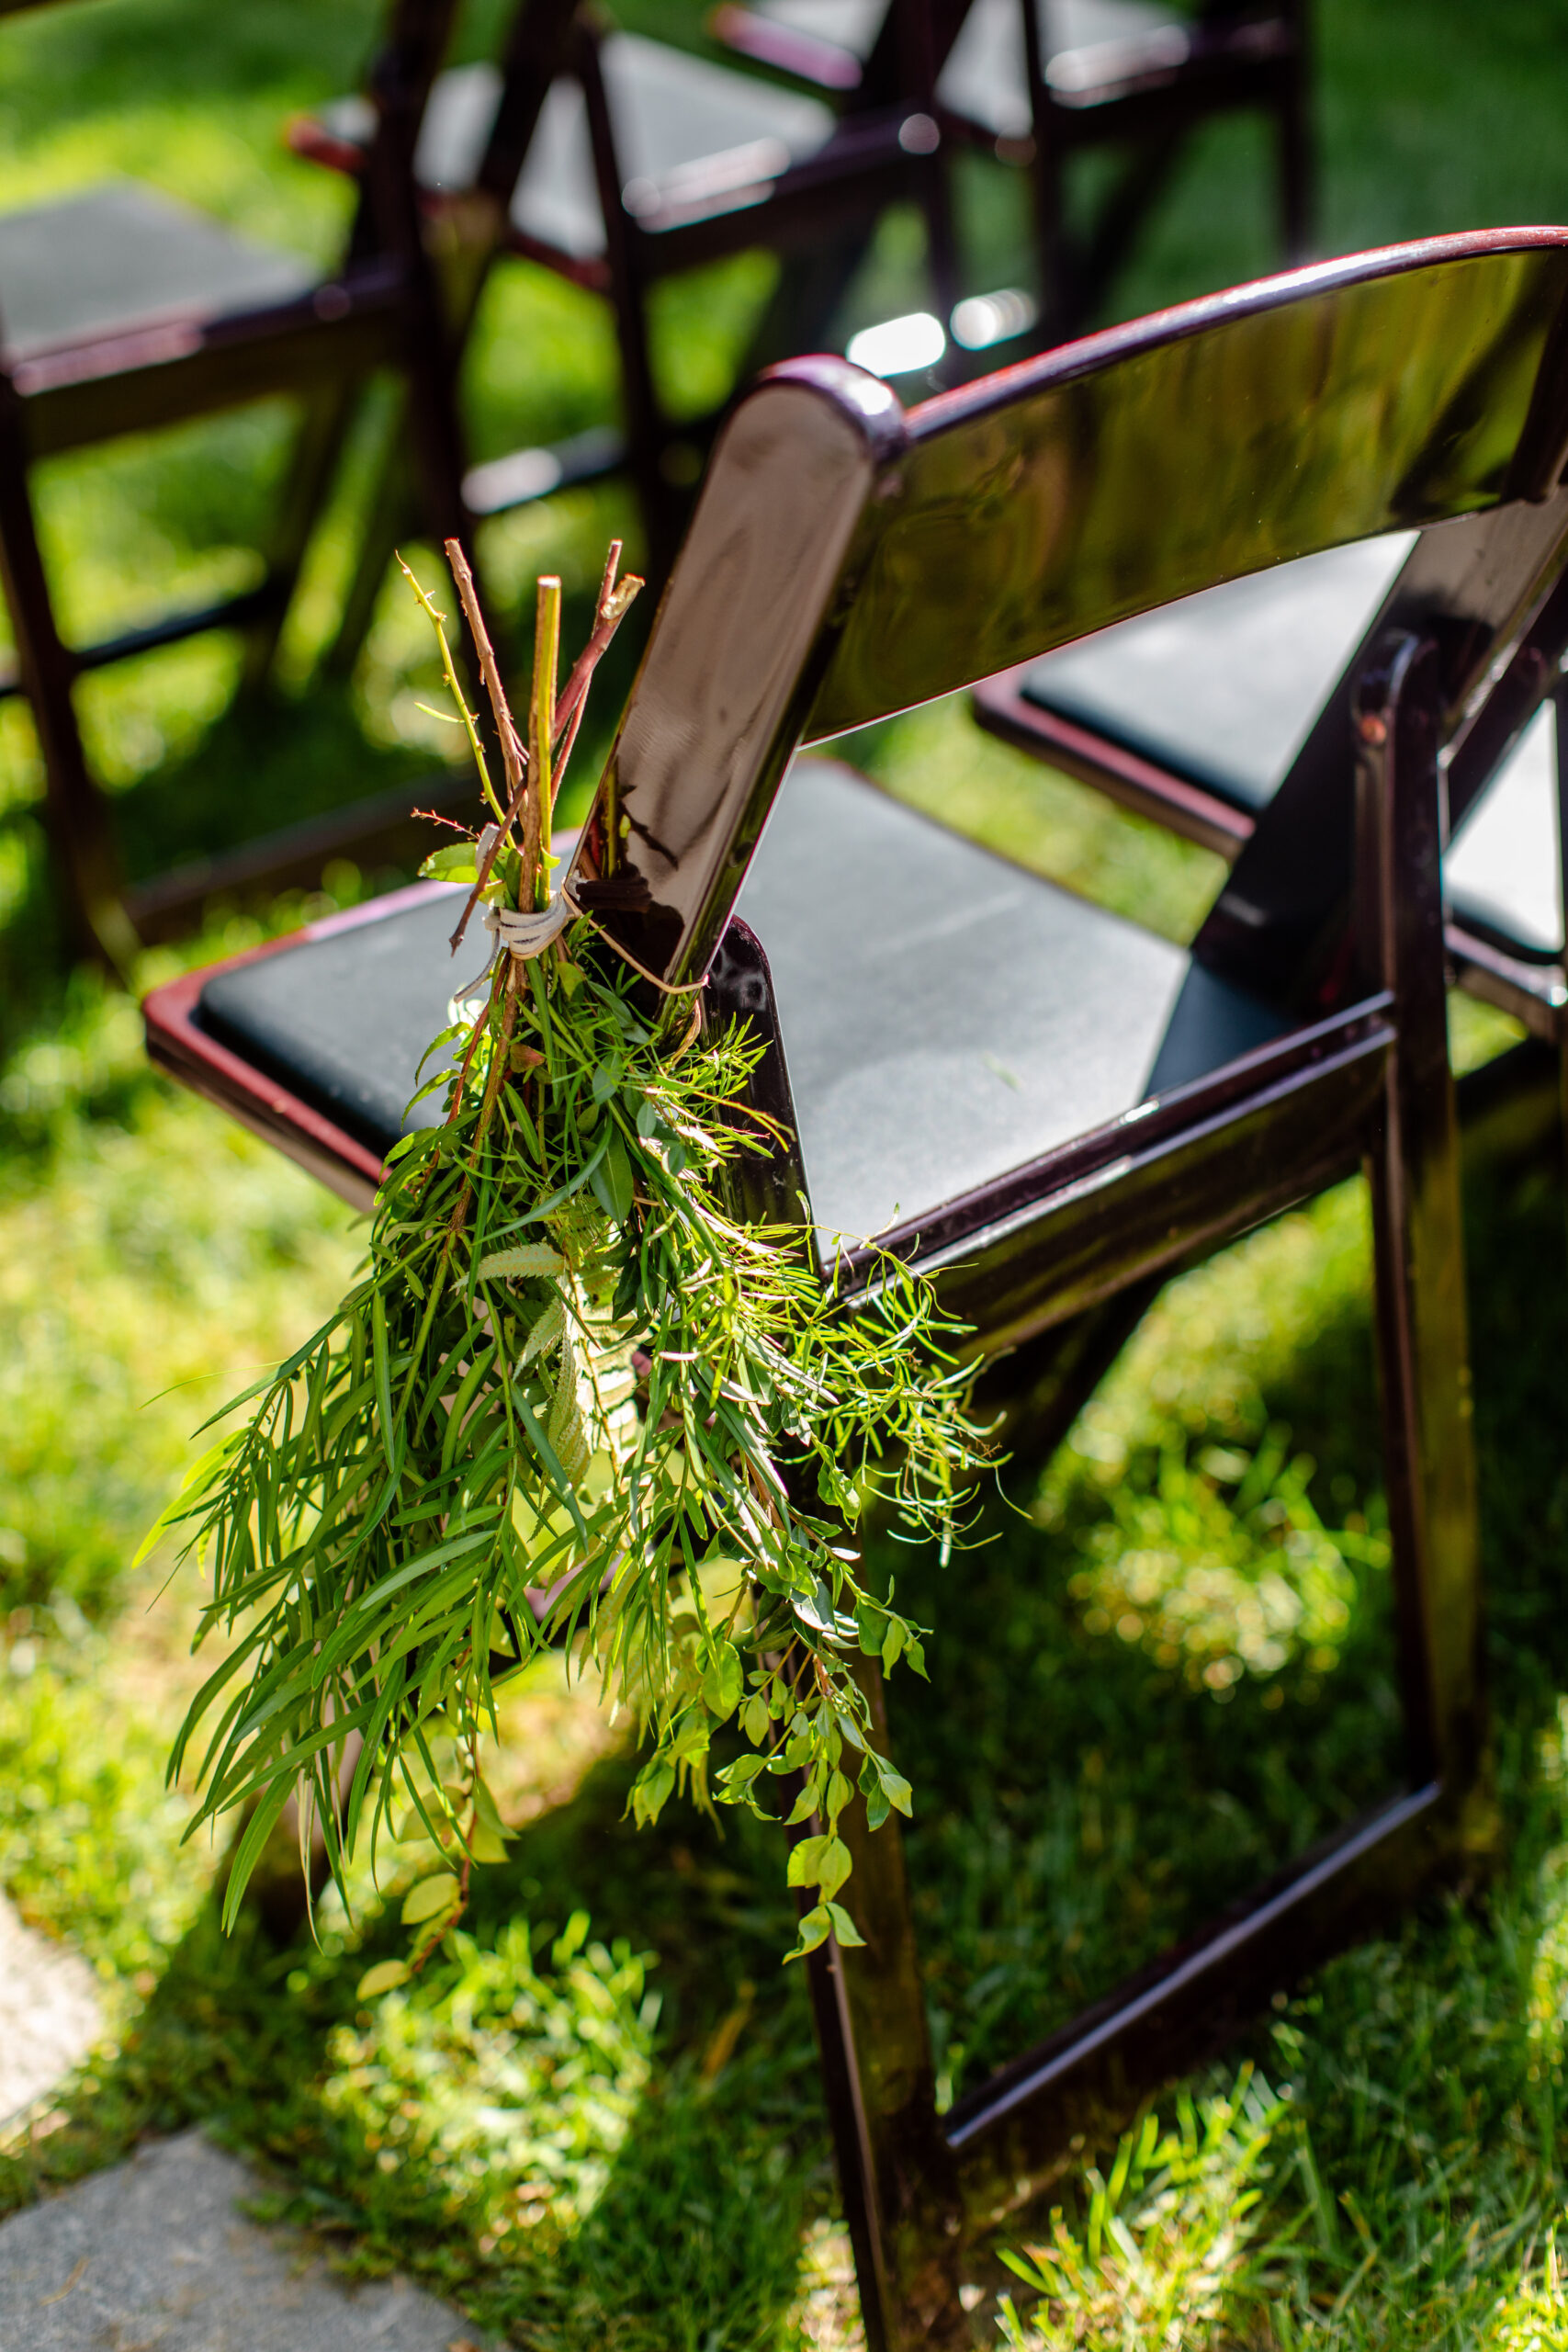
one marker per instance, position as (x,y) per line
(430,1899)
(385,1977)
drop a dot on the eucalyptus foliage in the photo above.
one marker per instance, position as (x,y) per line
(570,1398)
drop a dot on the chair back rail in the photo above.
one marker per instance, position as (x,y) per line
(907,556)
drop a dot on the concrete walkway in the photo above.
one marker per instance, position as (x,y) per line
(49,2013)
(152,2256)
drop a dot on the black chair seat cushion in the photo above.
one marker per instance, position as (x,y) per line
(342,1020)
(946,1015)
(1222,688)
(121,259)
(1085,44)
(985,79)
(683,126)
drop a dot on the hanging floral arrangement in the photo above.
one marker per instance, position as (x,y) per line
(571,1400)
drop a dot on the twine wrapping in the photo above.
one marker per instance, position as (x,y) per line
(527,935)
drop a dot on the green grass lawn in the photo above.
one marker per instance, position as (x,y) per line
(597,2121)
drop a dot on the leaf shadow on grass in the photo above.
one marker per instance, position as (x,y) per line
(696,2239)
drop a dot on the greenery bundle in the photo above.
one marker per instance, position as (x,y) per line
(572,1398)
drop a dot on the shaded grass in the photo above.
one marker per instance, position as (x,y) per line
(697,2183)
(1105,1788)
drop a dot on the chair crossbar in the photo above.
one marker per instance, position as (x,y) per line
(229,612)
(1166,2018)
(1209,1162)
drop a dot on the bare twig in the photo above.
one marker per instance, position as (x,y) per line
(615,602)
(514,758)
(534,890)
(438,619)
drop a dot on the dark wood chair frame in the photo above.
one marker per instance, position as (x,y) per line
(381,309)
(1243,56)
(817,215)
(846,561)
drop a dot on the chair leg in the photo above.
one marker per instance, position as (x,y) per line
(1422,1323)
(647,435)
(1129,206)
(391,513)
(1038,1390)
(318,445)
(896,2170)
(663,501)
(1559,733)
(394,515)
(942,236)
(78,820)
(1298,166)
(1061,296)
(813,281)
(1297,174)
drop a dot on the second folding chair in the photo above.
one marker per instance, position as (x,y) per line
(1042,83)
(1202,715)
(617,162)
(122,312)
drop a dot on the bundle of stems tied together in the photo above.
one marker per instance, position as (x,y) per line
(570,1399)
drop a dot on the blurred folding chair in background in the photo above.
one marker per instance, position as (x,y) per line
(1202,715)
(1042,83)
(616,162)
(122,311)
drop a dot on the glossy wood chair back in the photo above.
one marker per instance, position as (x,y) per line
(203,348)
(891,558)
(848,561)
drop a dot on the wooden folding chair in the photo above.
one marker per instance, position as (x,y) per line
(121,311)
(848,560)
(1041,81)
(616,162)
(1201,715)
